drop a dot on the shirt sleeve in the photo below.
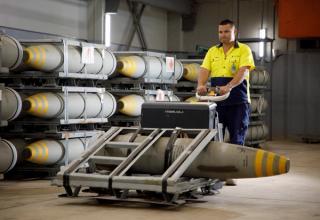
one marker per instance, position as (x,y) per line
(207,61)
(246,58)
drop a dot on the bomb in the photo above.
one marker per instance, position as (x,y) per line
(147,66)
(10,153)
(11,53)
(217,160)
(11,104)
(191,71)
(259,77)
(131,104)
(52,105)
(50,58)
(257,132)
(50,152)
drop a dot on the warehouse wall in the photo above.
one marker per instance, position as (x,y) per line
(153,22)
(296,95)
(210,13)
(61,17)
(81,19)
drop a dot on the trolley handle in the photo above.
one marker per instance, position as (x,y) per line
(212,98)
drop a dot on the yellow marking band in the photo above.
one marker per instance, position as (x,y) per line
(270,159)
(34,152)
(258,163)
(33,105)
(45,150)
(37,60)
(40,157)
(43,55)
(39,102)
(282,164)
(129,66)
(30,55)
(130,104)
(45,102)
(191,72)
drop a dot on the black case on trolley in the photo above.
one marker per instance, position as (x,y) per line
(178,114)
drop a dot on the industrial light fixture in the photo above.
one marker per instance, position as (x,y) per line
(107,29)
(262,34)
(110,7)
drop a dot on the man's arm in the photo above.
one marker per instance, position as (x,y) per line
(237,79)
(202,81)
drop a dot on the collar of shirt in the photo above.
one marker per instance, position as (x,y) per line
(236,44)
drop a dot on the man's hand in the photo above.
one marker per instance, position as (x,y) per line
(202,90)
(224,89)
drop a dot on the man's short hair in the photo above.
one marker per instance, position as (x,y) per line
(227,21)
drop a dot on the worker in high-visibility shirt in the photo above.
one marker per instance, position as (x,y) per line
(228,65)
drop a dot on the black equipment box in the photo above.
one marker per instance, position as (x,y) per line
(178,114)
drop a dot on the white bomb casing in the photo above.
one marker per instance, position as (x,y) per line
(11,104)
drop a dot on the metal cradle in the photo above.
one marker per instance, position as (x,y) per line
(117,182)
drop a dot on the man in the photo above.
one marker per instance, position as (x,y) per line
(228,64)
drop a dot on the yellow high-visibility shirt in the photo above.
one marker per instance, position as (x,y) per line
(223,67)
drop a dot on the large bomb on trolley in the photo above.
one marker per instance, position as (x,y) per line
(217,160)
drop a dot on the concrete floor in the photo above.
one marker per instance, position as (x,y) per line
(292,196)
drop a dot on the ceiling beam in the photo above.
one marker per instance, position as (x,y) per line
(179,6)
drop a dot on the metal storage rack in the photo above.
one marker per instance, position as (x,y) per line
(144,86)
(64,82)
(257,118)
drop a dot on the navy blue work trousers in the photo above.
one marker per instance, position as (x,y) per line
(236,119)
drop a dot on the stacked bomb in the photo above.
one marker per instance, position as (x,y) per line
(10,153)
(259,77)
(257,132)
(11,52)
(147,67)
(53,105)
(11,104)
(254,133)
(131,104)
(258,105)
(191,71)
(50,58)
(42,152)
(50,152)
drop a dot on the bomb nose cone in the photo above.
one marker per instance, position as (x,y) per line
(120,65)
(26,105)
(26,56)
(120,105)
(270,164)
(185,71)
(26,154)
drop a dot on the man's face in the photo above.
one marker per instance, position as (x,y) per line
(226,33)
